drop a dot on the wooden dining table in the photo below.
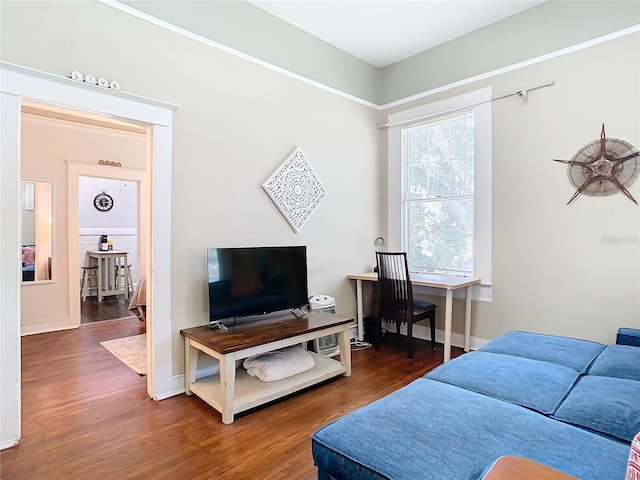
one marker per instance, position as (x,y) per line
(111,265)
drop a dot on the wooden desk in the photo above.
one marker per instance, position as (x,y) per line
(520,468)
(447,282)
(110,263)
(233,391)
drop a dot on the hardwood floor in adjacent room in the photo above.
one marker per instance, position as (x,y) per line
(85,415)
(110,308)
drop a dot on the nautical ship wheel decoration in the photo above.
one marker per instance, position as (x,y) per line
(603,167)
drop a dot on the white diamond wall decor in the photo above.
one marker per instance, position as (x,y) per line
(295,189)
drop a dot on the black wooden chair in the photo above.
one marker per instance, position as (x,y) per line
(395,299)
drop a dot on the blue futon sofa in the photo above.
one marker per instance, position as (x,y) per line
(571,404)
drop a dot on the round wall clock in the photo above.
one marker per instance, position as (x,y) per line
(103,202)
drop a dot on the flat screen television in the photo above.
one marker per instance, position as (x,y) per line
(247,281)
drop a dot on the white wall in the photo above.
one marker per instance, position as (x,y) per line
(236,123)
(123,214)
(567,270)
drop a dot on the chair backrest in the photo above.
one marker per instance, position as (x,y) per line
(395,296)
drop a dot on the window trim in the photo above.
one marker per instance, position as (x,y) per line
(480,102)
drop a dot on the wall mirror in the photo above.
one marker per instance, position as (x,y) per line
(37,231)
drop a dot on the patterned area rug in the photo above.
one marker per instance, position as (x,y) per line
(132,351)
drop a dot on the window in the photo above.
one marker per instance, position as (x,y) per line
(440,186)
(438,201)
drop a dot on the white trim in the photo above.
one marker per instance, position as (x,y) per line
(37,85)
(160,338)
(10,270)
(424,333)
(480,102)
(178,382)
(211,43)
(515,66)
(17,83)
(525,63)
(9,443)
(75,170)
(108,231)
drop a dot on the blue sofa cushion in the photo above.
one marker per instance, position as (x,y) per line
(622,361)
(628,336)
(568,352)
(606,405)
(434,431)
(538,385)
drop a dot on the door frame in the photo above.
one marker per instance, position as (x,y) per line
(18,83)
(74,172)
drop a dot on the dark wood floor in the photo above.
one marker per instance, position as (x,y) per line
(85,415)
(110,308)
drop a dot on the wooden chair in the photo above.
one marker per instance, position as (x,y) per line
(395,299)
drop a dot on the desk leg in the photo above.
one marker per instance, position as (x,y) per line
(228,385)
(190,365)
(344,342)
(360,315)
(467,320)
(447,325)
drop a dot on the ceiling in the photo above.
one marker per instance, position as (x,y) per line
(382,32)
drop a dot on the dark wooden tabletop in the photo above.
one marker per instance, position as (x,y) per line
(249,334)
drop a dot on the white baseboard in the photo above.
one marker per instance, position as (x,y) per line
(177,382)
(45,327)
(423,332)
(176,387)
(9,443)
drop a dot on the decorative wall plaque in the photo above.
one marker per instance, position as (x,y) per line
(604,167)
(295,189)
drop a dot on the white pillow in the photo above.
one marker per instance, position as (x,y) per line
(279,364)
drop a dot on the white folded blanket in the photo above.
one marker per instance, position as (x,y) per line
(279,364)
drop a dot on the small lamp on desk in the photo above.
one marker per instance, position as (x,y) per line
(378,243)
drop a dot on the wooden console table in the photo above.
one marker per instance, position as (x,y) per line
(233,390)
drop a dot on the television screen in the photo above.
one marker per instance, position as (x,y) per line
(256,280)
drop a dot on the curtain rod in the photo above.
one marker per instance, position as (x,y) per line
(524,93)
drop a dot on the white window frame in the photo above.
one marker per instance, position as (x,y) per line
(479,102)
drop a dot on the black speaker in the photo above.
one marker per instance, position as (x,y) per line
(370,329)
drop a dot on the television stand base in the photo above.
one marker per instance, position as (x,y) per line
(218,324)
(231,392)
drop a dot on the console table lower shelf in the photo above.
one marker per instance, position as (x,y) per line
(251,392)
(233,390)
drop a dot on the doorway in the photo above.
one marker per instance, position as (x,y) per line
(19,83)
(108,229)
(111,156)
